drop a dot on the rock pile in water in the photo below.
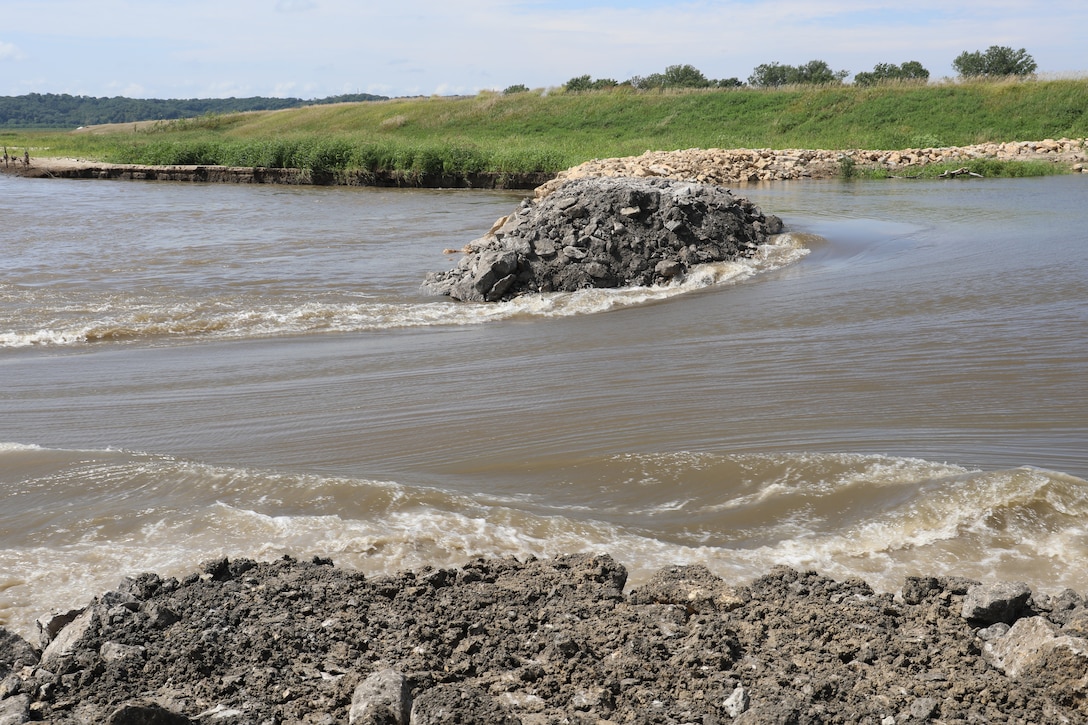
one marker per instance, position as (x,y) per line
(548,641)
(605,232)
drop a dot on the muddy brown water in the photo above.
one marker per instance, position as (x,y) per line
(187,371)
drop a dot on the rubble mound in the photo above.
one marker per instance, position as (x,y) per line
(605,232)
(548,641)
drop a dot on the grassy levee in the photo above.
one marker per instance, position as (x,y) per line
(547,132)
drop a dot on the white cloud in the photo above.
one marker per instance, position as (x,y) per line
(9,51)
(313,48)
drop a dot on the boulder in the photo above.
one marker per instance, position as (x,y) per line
(70,638)
(15,710)
(605,232)
(383,698)
(50,624)
(15,653)
(1030,643)
(992,603)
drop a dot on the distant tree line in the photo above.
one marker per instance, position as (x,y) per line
(995,62)
(51,110)
(675,76)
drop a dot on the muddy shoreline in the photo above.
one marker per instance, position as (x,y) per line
(53,168)
(549,641)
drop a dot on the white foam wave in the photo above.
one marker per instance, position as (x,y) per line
(155,513)
(12,447)
(242,317)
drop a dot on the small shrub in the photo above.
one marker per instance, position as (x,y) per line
(846,167)
(924,141)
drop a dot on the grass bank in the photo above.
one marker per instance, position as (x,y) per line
(550,131)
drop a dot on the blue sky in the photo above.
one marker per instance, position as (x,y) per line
(318,48)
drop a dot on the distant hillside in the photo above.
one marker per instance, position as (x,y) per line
(440,137)
(51,110)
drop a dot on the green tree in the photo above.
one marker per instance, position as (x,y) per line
(818,72)
(728,83)
(675,76)
(997,61)
(511,90)
(912,70)
(685,76)
(654,80)
(580,83)
(770,75)
(815,72)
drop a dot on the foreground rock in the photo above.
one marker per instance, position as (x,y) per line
(605,232)
(502,641)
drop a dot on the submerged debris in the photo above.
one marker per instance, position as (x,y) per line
(606,232)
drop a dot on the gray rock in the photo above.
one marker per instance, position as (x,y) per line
(144,586)
(923,709)
(917,588)
(737,702)
(69,638)
(15,710)
(50,624)
(10,685)
(15,652)
(114,652)
(992,603)
(383,698)
(610,232)
(161,616)
(1027,644)
(522,701)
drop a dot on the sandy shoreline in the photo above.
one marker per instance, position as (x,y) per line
(718,166)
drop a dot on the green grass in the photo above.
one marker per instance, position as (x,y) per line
(547,132)
(988,168)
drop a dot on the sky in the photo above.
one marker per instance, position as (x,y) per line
(318,48)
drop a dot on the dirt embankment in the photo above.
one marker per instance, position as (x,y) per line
(556,641)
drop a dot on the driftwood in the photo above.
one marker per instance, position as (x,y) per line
(962,171)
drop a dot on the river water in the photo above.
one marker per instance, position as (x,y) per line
(898,387)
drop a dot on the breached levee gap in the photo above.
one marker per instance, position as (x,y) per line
(606,232)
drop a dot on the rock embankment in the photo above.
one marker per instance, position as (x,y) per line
(733,166)
(605,232)
(557,641)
